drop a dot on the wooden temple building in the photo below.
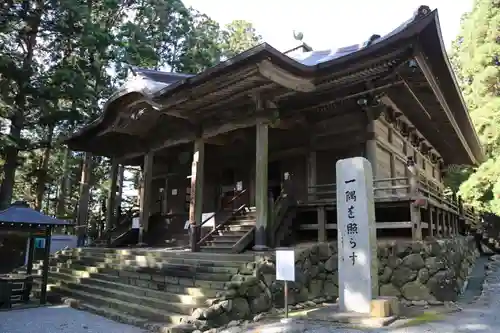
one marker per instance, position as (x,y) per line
(246,151)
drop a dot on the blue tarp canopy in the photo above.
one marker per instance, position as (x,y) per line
(21,213)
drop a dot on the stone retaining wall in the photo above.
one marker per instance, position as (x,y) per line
(431,271)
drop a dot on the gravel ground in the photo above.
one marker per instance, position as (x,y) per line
(481,316)
(59,319)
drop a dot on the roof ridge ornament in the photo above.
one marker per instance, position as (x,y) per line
(421,12)
(371,40)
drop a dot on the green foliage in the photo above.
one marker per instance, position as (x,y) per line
(475,58)
(238,36)
(60,59)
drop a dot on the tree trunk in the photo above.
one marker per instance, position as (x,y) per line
(27,36)
(9,168)
(83,202)
(64,187)
(43,171)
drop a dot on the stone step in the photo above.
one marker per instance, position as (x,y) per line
(216,241)
(155,303)
(141,279)
(199,301)
(239,228)
(205,292)
(192,267)
(243,223)
(216,249)
(155,253)
(243,218)
(232,234)
(135,310)
(217,263)
(107,268)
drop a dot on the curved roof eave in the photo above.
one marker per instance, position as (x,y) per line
(405,31)
(451,86)
(263,51)
(306,68)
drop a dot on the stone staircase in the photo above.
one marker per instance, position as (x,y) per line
(234,236)
(140,286)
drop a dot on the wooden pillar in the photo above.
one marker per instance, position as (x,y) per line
(164,203)
(446,231)
(83,201)
(439,225)
(31,254)
(416,219)
(311,175)
(145,195)
(371,141)
(118,201)
(451,223)
(46,263)
(322,235)
(455,224)
(29,267)
(431,221)
(261,186)
(415,212)
(251,189)
(110,209)
(196,199)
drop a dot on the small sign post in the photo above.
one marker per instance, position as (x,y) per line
(357,243)
(285,270)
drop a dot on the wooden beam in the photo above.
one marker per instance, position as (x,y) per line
(285,78)
(422,62)
(146,193)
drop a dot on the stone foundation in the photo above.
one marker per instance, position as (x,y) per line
(431,271)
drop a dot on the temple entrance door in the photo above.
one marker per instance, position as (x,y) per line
(227,189)
(274,180)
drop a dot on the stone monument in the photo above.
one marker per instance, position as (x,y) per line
(357,243)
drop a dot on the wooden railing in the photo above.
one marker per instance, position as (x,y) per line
(279,210)
(223,208)
(219,226)
(399,187)
(123,226)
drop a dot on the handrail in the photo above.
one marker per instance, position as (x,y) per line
(424,186)
(223,223)
(279,211)
(121,221)
(220,210)
(313,189)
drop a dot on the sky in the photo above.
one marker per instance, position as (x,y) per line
(328,24)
